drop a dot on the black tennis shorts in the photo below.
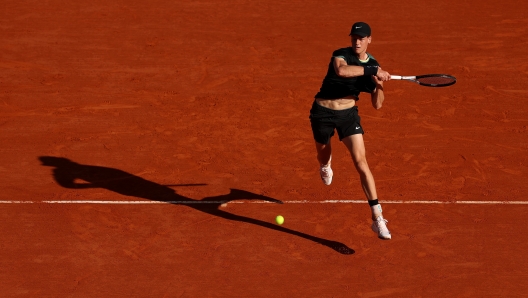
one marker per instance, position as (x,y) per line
(324,121)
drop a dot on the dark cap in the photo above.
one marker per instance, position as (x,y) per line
(361,29)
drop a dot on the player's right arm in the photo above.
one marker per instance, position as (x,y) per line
(344,70)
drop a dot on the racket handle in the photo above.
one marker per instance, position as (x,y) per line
(403,77)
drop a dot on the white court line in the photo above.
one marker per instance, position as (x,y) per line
(264,202)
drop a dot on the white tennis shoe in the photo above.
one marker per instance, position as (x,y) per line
(380,226)
(326,174)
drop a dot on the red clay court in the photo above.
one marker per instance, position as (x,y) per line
(147,146)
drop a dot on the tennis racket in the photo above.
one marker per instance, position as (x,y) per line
(429,80)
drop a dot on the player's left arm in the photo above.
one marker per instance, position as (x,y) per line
(377,96)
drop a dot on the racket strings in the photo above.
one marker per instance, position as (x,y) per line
(437,80)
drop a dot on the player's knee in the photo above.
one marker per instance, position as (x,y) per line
(361,164)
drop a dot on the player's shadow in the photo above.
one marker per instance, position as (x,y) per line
(66,172)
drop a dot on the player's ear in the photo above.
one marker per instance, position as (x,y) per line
(369,39)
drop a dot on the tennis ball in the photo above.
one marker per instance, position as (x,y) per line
(279,219)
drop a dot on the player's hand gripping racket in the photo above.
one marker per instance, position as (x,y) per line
(429,80)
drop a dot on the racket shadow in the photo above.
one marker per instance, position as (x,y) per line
(66,172)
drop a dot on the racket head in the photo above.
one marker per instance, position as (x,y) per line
(435,80)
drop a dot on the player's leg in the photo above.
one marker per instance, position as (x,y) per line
(324,153)
(323,126)
(356,146)
(324,156)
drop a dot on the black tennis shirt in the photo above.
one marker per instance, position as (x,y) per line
(334,86)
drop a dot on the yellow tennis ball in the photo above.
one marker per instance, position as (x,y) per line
(279,219)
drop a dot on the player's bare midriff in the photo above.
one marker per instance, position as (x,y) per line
(338,103)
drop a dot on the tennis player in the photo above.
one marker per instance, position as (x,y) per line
(351,71)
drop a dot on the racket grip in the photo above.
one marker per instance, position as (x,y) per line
(411,78)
